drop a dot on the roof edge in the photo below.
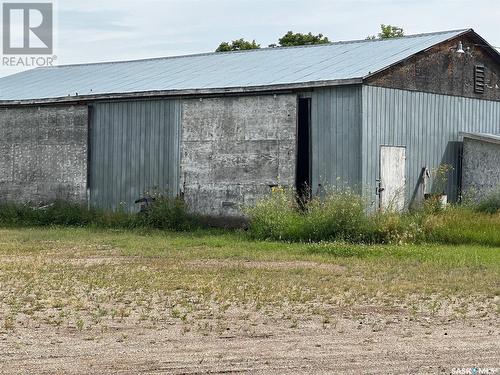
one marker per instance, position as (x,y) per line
(256,50)
(459,33)
(484,137)
(182,92)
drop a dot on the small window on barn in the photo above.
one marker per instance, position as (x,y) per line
(479,79)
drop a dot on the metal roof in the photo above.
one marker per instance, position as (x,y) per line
(484,137)
(268,67)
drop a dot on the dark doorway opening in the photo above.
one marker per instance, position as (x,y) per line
(303,173)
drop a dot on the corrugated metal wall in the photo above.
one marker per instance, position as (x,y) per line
(427,124)
(336,137)
(134,148)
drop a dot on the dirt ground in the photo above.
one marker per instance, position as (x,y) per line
(121,303)
(372,343)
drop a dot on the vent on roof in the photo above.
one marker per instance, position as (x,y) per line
(479,79)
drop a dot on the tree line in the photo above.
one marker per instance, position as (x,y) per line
(300,39)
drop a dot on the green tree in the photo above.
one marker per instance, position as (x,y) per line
(388,31)
(299,39)
(237,45)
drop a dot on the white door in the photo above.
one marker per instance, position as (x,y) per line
(392,178)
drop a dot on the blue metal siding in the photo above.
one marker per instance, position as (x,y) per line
(336,137)
(427,124)
(134,148)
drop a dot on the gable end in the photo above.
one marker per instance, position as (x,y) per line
(441,70)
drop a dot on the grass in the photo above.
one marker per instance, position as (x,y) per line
(164,212)
(341,215)
(462,225)
(87,277)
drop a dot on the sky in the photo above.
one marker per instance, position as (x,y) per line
(109,30)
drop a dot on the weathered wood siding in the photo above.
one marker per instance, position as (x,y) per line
(441,70)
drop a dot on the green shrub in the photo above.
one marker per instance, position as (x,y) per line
(338,216)
(491,204)
(395,228)
(342,216)
(277,217)
(164,213)
(167,213)
(462,225)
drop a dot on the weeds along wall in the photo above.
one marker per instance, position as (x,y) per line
(43,154)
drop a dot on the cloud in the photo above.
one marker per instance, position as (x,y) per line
(108,30)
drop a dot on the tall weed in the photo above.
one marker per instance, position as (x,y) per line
(342,216)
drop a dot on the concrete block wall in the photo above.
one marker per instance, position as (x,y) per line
(43,154)
(234,148)
(481,168)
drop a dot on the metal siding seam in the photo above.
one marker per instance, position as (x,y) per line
(171,140)
(321,135)
(345,135)
(142,149)
(169,110)
(99,162)
(91,166)
(133,152)
(162,160)
(348,146)
(93,156)
(108,151)
(127,197)
(342,136)
(325,135)
(368,98)
(117,156)
(112,158)
(177,150)
(333,173)
(103,157)
(314,138)
(174,147)
(123,156)
(147,145)
(362,138)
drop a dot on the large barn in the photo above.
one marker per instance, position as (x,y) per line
(221,129)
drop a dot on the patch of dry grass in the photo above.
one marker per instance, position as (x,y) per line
(89,279)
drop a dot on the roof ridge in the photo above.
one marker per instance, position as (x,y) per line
(253,50)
